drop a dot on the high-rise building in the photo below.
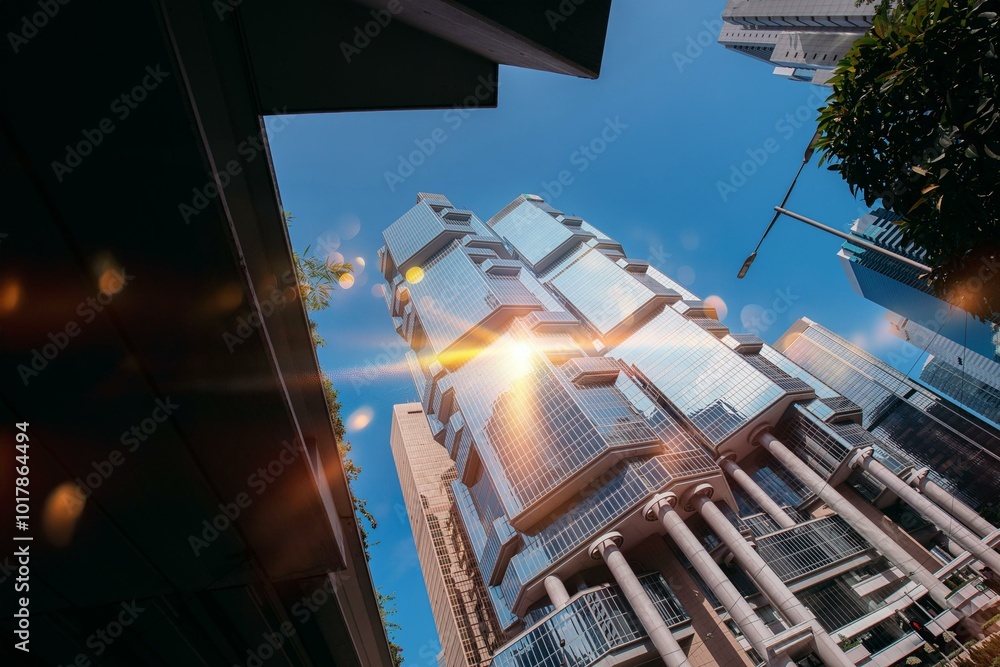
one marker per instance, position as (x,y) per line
(466,624)
(802,39)
(966,377)
(899,287)
(635,483)
(913,425)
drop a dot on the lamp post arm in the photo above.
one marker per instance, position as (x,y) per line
(853,239)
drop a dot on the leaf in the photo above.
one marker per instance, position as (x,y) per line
(919,203)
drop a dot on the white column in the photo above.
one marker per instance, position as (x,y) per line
(769,583)
(894,553)
(661,508)
(947,523)
(606,547)
(950,504)
(556,590)
(758,494)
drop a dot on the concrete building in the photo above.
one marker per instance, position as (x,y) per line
(638,484)
(801,39)
(466,624)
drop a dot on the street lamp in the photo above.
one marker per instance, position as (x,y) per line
(805,158)
(781,210)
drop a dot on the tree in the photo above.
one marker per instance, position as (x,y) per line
(387,609)
(991,512)
(984,654)
(913,121)
(317,279)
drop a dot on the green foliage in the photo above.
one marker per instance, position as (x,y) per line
(984,654)
(317,280)
(913,122)
(387,608)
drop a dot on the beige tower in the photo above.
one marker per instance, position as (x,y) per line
(465,621)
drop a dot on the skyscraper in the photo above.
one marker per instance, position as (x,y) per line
(636,483)
(802,39)
(899,287)
(968,378)
(915,426)
(466,624)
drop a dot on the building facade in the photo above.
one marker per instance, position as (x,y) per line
(802,39)
(899,287)
(966,377)
(636,483)
(916,427)
(466,624)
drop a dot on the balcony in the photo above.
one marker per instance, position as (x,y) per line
(807,548)
(595,623)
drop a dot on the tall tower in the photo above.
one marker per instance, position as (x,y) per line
(466,624)
(636,483)
(899,287)
(802,39)
(964,376)
(961,452)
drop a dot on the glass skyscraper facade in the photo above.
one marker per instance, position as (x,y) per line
(913,425)
(966,377)
(899,287)
(612,440)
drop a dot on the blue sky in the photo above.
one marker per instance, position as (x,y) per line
(705,143)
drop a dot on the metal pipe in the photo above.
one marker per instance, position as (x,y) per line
(853,239)
(758,494)
(947,523)
(770,583)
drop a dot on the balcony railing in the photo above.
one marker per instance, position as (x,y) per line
(594,624)
(808,547)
